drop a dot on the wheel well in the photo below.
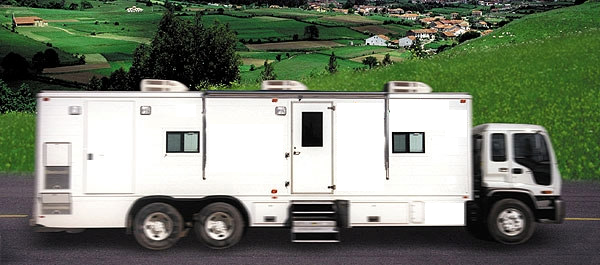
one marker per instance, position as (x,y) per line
(520,196)
(186,207)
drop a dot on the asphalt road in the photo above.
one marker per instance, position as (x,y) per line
(577,241)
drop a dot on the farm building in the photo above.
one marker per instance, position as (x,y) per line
(412,17)
(377,40)
(423,33)
(29,21)
(406,42)
(134,9)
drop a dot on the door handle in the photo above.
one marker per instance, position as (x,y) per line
(296,153)
(517,171)
(503,169)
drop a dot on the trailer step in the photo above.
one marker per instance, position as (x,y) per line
(314,222)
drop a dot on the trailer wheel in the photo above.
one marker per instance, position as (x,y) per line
(511,222)
(219,225)
(157,226)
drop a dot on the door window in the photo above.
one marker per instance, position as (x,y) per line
(312,129)
(498,147)
(531,151)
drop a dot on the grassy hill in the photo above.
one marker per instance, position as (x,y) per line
(543,69)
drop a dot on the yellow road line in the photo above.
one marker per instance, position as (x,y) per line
(13,216)
(582,219)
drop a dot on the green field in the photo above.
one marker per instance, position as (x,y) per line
(17,142)
(26,47)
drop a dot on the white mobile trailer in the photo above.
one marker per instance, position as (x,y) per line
(158,163)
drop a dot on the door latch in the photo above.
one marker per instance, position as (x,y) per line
(296,153)
(331,187)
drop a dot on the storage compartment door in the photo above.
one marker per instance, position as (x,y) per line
(109,142)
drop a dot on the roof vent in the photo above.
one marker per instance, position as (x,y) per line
(406,87)
(157,85)
(282,85)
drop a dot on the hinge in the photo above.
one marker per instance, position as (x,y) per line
(331,108)
(331,187)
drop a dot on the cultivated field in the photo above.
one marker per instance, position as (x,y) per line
(293,45)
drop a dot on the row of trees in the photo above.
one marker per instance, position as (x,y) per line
(16,67)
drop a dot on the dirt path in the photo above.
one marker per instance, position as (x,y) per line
(75,68)
(125,38)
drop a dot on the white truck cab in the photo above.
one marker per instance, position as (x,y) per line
(516,180)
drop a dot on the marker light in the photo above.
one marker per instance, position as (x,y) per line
(546,192)
(145,110)
(74,110)
(280,110)
(463,101)
(274,100)
(273,191)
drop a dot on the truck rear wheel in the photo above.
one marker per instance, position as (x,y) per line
(219,225)
(511,222)
(157,226)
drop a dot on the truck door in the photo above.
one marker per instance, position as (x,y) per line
(109,147)
(312,163)
(498,162)
(531,159)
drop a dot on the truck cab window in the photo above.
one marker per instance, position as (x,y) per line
(531,152)
(498,147)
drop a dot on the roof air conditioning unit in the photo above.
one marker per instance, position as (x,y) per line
(282,85)
(158,85)
(406,87)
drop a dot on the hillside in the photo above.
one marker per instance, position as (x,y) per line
(545,71)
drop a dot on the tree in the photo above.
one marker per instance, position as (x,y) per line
(268,72)
(295,37)
(195,55)
(51,58)
(94,84)
(73,6)
(417,49)
(38,62)
(387,60)
(370,61)
(278,57)
(85,5)
(21,99)
(15,66)
(311,32)
(468,35)
(332,66)
(118,80)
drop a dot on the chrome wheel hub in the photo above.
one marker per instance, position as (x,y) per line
(158,226)
(219,226)
(511,222)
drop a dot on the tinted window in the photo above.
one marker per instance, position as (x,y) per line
(183,142)
(405,142)
(531,151)
(498,147)
(312,129)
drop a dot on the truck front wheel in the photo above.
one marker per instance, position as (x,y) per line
(511,222)
(157,226)
(219,225)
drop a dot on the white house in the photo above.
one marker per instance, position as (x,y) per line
(406,42)
(377,40)
(134,9)
(423,33)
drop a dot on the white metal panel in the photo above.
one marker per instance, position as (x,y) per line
(359,144)
(277,210)
(312,165)
(110,142)
(388,213)
(57,154)
(445,213)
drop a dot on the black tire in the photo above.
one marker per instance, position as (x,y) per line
(167,228)
(511,222)
(219,225)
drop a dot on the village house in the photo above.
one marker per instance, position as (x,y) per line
(397,11)
(412,17)
(406,41)
(476,13)
(29,21)
(377,40)
(453,15)
(274,6)
(340,10)
(422,34)
(134,9)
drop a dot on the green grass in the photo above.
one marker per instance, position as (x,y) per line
(17,142)
(26,47)
(349,52)
(300,67)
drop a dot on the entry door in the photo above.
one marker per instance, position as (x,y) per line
(312,162)
(109,142)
